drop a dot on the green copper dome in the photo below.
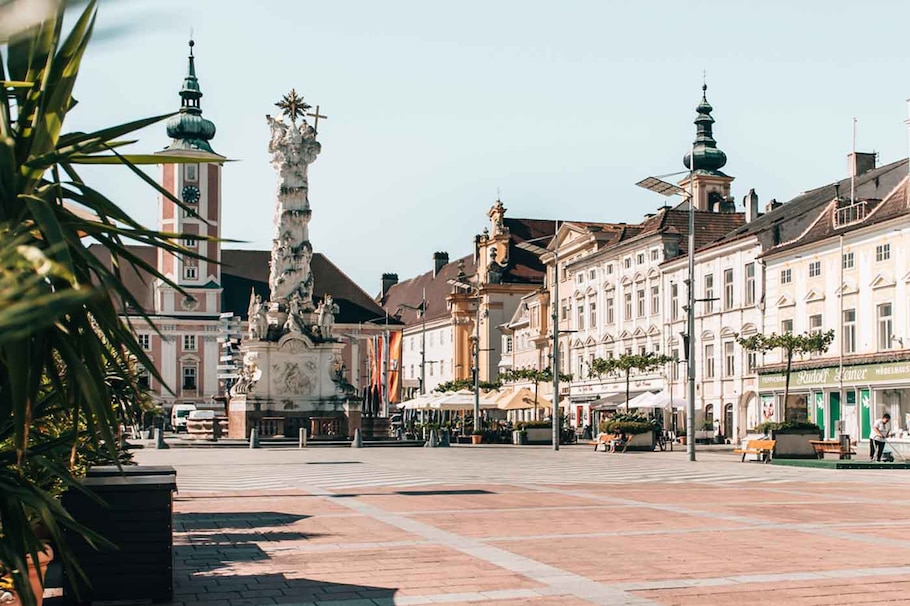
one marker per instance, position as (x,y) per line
(188,129)
(707,157)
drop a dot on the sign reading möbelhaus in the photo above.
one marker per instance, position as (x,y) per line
(867,374)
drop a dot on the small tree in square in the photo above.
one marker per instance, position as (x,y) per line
(790,345)
(626,363)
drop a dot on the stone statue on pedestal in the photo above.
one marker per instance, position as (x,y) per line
(325,315)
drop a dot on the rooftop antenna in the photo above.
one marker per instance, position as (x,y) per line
(853,167)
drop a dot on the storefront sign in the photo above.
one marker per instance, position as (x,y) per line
(852,375)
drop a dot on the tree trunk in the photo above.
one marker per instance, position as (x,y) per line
(628,372)
(536,416)
(787,384)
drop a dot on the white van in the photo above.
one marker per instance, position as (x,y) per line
(179,414)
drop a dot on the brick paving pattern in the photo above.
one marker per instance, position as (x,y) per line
(508,526)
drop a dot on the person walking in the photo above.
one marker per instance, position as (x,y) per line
(880,431)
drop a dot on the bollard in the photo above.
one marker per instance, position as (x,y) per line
(301,437)
(160,444)
(432,442)
(357,442)
(254,438)
(445,441)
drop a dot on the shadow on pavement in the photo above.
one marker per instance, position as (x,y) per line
(410,493)
(233,520)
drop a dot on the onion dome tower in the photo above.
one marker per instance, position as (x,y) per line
(711,187)
(188,129)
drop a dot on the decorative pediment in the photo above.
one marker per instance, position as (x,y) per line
(814,295)
(785,300)
(707,336)
(609,286)
(590,291)
(845,289)
(653,274)
(748,329)
(577,344)
(639,277)
(625,281)
(607,338)
(653,330)
(625,335)
(672,342)
(881,281)
(907,278)
(639,332)
(590,342)
(727,333)
(579,294)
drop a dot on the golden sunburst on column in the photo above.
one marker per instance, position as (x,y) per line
(293,106)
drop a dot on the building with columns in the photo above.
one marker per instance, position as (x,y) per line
(185,348)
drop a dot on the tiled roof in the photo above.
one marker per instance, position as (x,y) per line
(877,211)
(410,292)
(525,266)
(245,269)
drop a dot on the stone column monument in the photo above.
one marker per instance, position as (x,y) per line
(292,365)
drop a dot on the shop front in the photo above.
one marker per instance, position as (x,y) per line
(841,400)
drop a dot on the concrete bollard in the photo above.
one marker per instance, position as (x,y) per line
(160,444)
(301,437)
(444,440)
(433,441)
(357,442)
(254,438)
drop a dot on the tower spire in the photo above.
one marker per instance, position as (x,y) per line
(708,158)
(188,129)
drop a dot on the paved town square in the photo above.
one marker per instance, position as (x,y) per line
(500,525)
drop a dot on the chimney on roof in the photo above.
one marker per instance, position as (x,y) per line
(388,281)
(750,201)
(772,205)
(440,260)
(859,163)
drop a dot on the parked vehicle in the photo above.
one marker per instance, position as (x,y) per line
(179,414)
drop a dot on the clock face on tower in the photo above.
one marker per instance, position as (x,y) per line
(191,194)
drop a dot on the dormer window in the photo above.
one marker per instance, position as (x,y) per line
(851,213)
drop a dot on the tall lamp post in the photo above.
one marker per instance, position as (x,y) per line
(422,312)
(669,189)
(529,246)
(475,290)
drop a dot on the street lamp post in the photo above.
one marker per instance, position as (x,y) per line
(540,251)
(668,189)
(422,311)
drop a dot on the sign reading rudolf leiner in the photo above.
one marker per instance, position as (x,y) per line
(852,375)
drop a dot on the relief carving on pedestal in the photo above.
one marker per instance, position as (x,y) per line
(289,379)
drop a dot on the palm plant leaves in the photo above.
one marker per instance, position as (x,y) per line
(64,349)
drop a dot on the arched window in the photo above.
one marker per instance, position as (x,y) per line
(709,414)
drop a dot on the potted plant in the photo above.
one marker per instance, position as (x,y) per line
(477,436)
(681,435)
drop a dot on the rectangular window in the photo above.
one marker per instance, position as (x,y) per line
(728,289)
(189,272)
(815,323)
(655,254)
(143,379)
(709,361)
(674,301)
(641,258)
(581,366)
(145,341)
(729,359)
(786,276)
(581,317)
(610,316)
(189,377)
(564,309)
(508,345)
(609,268)
(190,172)
(592,312)
(533,316)
(709,293)
(580,278)
(848,260)
(189,243)
(750,284)
(882,252)
(849,331)
(189,342)
(627,262)
(815,269)
(628,301)
(786,326)
(885,326)
(641,302)
(751,362)
(642,350)
(655,300)
(592,275)
(674,367)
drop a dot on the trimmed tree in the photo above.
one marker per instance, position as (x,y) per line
(790,345)
(625,364)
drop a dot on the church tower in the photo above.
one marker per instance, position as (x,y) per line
(198,185)
(711,187)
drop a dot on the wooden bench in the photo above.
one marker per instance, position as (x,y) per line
(762,448)
(831,446)
(606,439)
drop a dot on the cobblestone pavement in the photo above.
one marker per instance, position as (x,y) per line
(507,526)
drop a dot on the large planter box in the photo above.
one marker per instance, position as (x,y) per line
(794,444)
(540,435)
(641,441)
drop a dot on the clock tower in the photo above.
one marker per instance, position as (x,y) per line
(198,186)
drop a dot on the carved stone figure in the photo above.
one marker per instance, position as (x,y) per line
(259,324)
(325,314)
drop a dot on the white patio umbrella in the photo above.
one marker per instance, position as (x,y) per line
(645,400)
(522,399)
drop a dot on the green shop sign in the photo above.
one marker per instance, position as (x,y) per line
(852,375)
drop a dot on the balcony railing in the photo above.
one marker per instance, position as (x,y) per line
(850,214)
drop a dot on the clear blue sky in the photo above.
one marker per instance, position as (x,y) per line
(563,106)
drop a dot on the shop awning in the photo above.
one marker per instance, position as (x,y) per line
(612,401)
